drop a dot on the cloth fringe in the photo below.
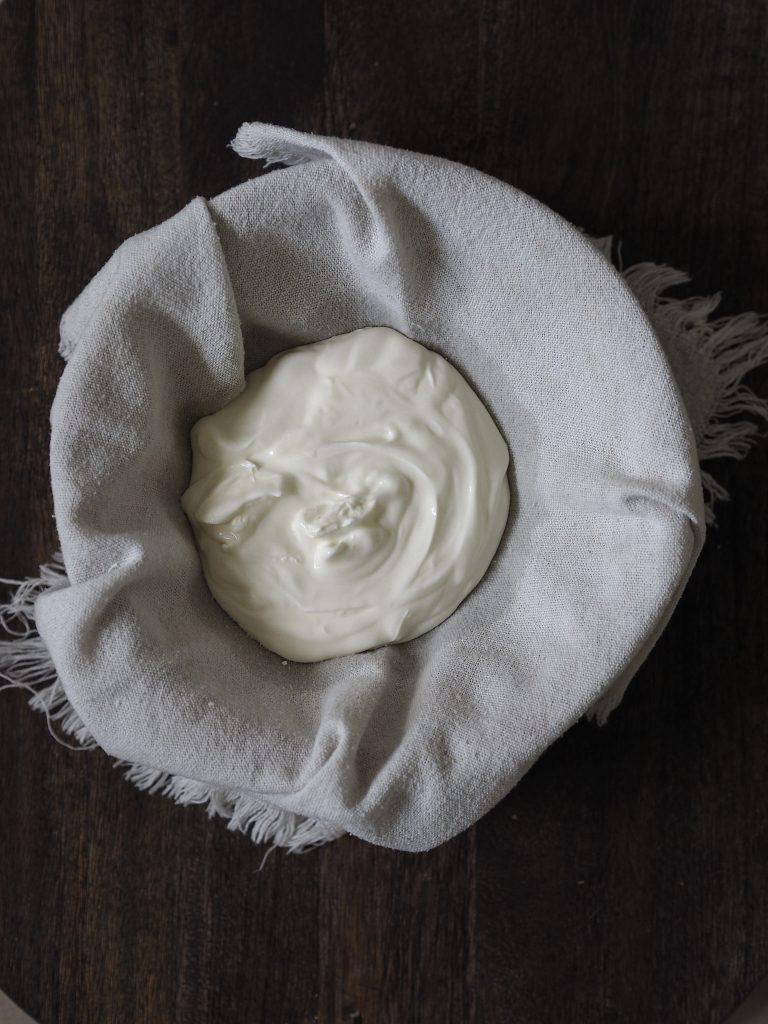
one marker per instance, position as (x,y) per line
(250,143)
(26,664)
(260,821)
(735,345)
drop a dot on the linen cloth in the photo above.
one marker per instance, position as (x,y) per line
(407,745)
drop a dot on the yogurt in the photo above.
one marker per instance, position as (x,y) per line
(351,496)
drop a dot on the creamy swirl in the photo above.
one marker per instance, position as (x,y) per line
(351,496)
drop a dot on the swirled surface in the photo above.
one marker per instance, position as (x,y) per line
(351,496)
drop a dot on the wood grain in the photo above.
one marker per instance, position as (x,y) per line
(626,878)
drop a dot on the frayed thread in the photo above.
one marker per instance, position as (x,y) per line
(261,822)
(733,345)
(251,143)
(25,664)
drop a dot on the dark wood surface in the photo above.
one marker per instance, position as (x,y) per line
(626,878)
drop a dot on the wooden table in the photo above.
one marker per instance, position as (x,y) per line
(626,878)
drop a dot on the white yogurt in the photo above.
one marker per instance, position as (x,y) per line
(351,496)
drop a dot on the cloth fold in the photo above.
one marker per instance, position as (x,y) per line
(407,745)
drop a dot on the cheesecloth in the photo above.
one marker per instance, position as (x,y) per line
(407,745)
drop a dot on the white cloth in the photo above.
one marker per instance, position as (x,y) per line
(407,745)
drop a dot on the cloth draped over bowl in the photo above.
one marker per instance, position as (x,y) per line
(407,745)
